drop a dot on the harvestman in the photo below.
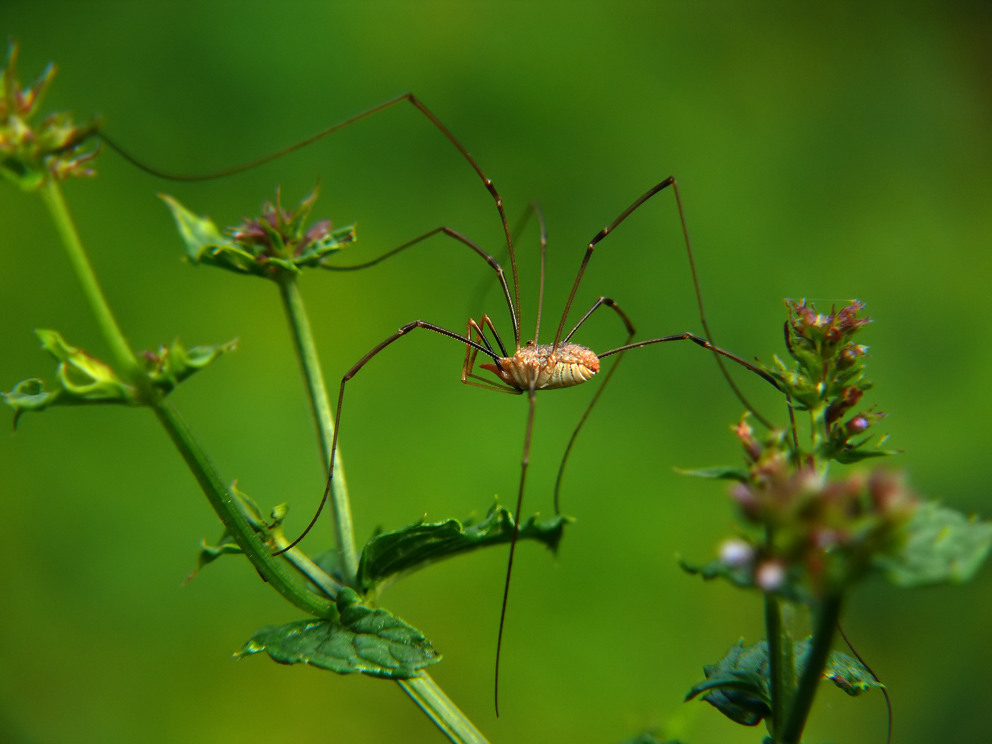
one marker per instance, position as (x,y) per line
(530,366)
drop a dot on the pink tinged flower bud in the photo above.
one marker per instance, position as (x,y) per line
(857,425)
(770,576)
(746,499)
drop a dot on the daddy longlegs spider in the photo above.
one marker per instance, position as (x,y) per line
(527,367)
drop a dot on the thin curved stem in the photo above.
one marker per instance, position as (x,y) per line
(320,407)
(276,572)
(54,201)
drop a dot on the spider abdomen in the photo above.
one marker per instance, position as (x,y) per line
(548,367)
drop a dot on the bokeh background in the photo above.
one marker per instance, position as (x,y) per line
(830,152)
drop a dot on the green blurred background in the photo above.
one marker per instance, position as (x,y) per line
(829,153)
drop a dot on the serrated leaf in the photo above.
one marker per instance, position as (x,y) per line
(941,545)
(358,639)
(417,545)
(739,685)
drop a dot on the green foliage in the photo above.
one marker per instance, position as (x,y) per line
(79,379)
(739,685)
(804,540)
(940,546)
(82,379)
(415,546)
(356,639)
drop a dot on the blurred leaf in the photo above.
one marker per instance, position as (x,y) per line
(173,364)
(739,686)
(357,639)
(419,544)
(742,576)
(203,239)
(718,473)
(941,546)
(80,379)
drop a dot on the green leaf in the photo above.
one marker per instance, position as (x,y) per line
(742,576)
(739,686)
(421,543)
(199,233)
(941,546)
(718,473)
(80,379)
(356,639)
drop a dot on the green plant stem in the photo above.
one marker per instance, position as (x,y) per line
(275,571)
(780,668)
(54,201)
(323,418)
(827,615)
(424,691)
(272,569)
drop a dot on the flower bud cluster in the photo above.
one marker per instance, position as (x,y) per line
(817,536)
(273,245)
(828,377)
(54,148)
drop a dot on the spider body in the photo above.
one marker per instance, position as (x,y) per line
(545,366)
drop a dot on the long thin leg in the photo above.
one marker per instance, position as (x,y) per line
(479,293)
(599,389)
(524,462)
(415,102)
(670,181)
(656,189)
(451,233)
(698,340)
(404,330)
(544,250)
(702,313)
(468,376)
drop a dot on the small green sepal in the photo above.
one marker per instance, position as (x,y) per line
(356,639)
(274,243)
(422,543)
